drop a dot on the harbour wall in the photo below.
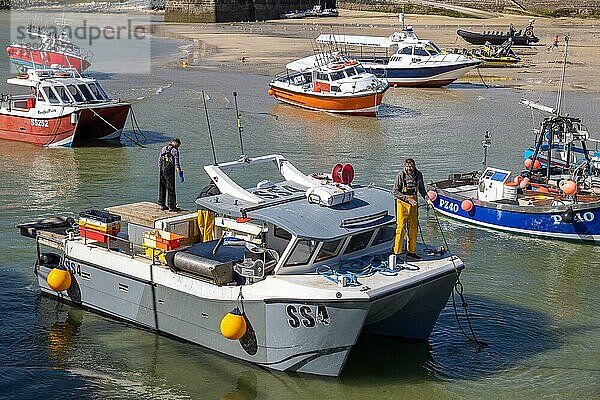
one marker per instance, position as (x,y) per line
(235,10)
(550,8)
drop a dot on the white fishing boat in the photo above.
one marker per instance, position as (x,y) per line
(403,59)
(300,271)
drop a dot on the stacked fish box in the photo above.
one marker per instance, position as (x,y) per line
(99,225)
(157,242)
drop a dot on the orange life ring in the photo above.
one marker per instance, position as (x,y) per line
(351,62)
(22,76)
(337,66)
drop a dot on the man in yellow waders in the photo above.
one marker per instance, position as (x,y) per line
(407,184)
(206,218)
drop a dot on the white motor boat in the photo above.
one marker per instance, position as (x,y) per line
(403,59)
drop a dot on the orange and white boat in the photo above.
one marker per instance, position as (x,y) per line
(329,82)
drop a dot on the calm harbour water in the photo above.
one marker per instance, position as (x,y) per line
(536,303)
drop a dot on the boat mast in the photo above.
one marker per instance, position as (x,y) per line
(562,78)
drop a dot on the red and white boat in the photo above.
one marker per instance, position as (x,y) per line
(329,82)
(51,50)
(63,108)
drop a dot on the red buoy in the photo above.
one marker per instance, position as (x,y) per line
(569,188)
(467,205)
(432,194)
(524,183)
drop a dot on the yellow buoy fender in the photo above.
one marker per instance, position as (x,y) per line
(233,325)
(59,279)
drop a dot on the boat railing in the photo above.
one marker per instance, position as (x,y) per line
(125,246)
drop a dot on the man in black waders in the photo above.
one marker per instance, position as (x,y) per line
(407,184)
(168,161)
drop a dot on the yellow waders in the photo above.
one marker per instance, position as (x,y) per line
(406,215)
(206,224)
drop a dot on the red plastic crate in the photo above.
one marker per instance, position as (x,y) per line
(93,234)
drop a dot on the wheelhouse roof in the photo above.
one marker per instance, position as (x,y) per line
(371,207)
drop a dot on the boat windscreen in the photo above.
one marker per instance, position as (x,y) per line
(351,72)
(96,91)
(360,69)
(302,252)
(432,49)
(64,95)
(75,93)
(51,95)
(337,75)
(86,92)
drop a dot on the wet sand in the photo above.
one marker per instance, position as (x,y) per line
(265,47)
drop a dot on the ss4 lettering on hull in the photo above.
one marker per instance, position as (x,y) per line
(579,217)
(73,267)
(307,316)
(446,205)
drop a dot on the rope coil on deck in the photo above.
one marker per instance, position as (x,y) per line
(351,270)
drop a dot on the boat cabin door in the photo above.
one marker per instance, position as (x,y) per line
(492,184)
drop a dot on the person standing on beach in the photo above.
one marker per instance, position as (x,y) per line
(168,163)
(407,184)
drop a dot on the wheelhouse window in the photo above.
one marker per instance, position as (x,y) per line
(281,233)
(419,51)
(96,91)
(75,93)
(406,50)
(432,49)
(358,242)
(63,93)
(337,75)
(322,77)
(86,92)
(385,234)
(303,251)
(51,95)
(360,69)
(350,72)
(329,249)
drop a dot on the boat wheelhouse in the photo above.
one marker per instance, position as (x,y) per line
(62,108)
(329,82)
(403,59)
(300,269)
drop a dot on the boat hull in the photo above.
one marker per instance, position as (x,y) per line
(421,76)
(271,340)
(299,333)
(479,38)
(91,123)
(538,221)
(31,58)
(359,104)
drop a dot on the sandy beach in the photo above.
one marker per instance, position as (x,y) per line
(266,47)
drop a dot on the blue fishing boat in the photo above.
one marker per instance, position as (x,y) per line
(554,201)
(494,200)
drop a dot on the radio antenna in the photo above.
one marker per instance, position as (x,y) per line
(212,144)
(240,127)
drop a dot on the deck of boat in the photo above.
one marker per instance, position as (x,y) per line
(144,213)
